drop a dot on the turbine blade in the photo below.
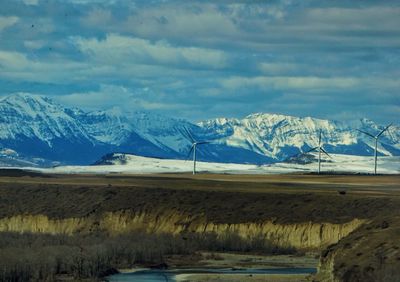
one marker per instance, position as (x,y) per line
(190,152)
(319,140)
(323,150)
(203,142)
(366,133)
(313,149)
(386,128)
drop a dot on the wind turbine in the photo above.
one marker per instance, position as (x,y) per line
(320,150)
(376,137)
(193,149)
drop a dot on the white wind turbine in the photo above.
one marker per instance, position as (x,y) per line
(320,149)
(376,137)
(193,149)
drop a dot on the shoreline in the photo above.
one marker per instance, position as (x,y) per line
(240,277)
(231,262)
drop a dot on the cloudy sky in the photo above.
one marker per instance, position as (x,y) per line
(206,59)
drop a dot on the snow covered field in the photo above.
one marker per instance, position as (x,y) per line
(142,165)
(344,163)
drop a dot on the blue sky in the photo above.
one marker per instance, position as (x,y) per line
(206,59)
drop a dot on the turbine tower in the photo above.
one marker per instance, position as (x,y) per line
(376,137)
(320,149)
(193,149)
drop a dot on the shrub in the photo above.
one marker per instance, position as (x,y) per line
(42,257)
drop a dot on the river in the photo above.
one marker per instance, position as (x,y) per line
(170,275)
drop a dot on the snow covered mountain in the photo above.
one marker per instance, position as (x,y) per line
(138,129)
(37,128)
(280,136)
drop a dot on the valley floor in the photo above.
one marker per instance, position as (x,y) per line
(351,222)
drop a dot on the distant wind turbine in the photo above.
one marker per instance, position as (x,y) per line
(376,137)
(320,149)
(193,149)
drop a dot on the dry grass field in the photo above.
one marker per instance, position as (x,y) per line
(225,198)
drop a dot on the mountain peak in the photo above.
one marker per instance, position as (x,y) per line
(265,115)
(30,103)
(23,96)
(38,118)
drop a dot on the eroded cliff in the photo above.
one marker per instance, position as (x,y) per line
(304,236)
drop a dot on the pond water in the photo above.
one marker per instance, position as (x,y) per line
(170,275)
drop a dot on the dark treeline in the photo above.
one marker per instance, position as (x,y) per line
(44,257)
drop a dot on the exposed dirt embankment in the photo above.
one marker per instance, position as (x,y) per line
(305,236)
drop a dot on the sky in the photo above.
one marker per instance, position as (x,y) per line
(206,59)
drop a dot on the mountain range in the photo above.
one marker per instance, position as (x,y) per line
(39,131)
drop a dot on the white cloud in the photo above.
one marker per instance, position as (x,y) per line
(117,49)
(13,60)
(265,11)
(259,27)
(31,2)
(85,2)
(109,96)
(97,17)
(277,68)
(188,22)
(185,21)
(368,18)
(7,21)
(17,66)
(34,44)
(265,83)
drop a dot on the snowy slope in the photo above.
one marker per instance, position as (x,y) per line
(37,117)
(116,127)
(110,126)
(122,163)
